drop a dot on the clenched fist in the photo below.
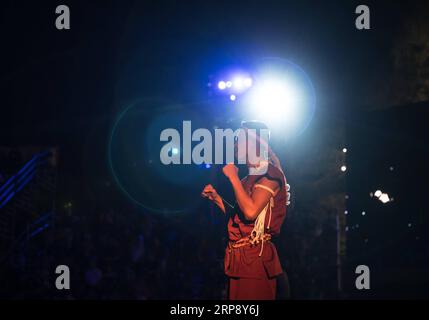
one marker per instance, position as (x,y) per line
(210,193)
(230,171)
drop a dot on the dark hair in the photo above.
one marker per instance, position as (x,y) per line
(256,125)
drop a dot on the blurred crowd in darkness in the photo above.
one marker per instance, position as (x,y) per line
(118,255)
(127,253)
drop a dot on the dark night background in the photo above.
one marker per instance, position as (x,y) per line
(64,90)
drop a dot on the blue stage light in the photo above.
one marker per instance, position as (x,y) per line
(221,85)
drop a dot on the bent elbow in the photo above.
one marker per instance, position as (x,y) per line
(250,215)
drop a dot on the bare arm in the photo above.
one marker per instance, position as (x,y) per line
(210,193)
(251,206)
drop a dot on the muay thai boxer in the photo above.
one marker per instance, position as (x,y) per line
(251,262)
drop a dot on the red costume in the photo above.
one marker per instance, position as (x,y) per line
(252,268)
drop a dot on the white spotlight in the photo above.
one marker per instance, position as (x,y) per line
(221,85)
(343,168)
(232,97)
(384,198)
(275,100)
(344,150)
(248,82)
(228,84)
(378,193)
(238,83)
(175,151)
